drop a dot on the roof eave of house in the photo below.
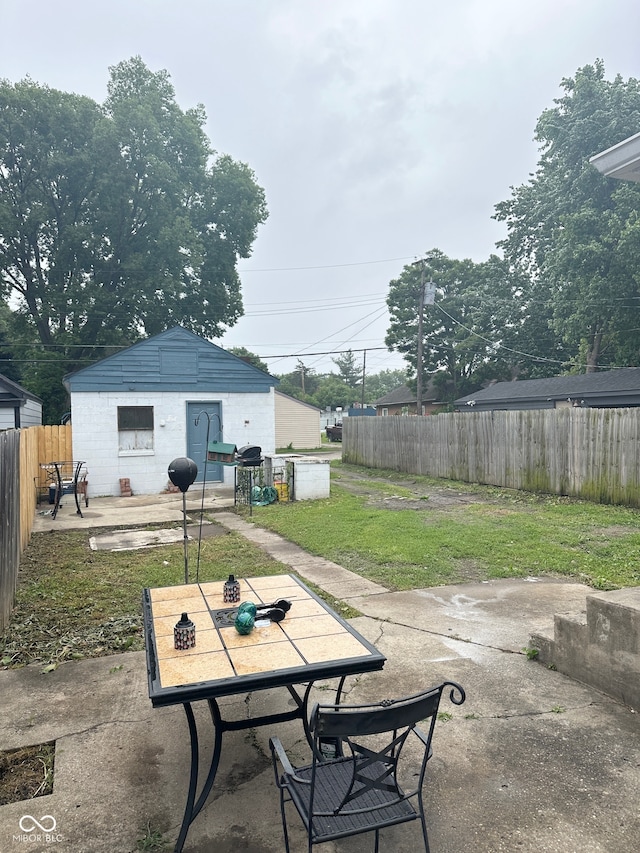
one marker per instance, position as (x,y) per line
(621,161)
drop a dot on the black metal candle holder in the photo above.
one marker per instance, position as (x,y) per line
(184,634)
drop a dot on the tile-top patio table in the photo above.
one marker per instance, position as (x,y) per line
(311,643)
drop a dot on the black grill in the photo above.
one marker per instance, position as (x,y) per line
(249,455)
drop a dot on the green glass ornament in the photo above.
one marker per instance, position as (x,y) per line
(244,623)
(248,607)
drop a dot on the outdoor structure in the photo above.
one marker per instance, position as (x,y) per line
(161,398)
(402,401)
(297,423)
(297,477)
(621,161)
(605,389)
(19,408)
(599,645)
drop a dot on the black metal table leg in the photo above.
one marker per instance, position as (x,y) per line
(76,474)
(58,492)
(193,777)
(195,805)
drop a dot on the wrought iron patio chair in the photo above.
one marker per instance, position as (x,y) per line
(359,790)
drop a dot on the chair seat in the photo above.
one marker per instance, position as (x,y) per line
(357,791)
(332,783)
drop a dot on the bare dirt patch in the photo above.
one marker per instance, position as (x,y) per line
(422,496)
(26,773)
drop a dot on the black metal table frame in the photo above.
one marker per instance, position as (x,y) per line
(306,675)
(60,484)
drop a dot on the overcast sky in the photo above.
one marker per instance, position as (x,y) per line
(379,129)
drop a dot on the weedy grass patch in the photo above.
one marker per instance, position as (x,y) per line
(498,534)
(73,602)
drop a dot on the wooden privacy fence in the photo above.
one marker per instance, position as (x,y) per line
(587,453)
(21,479)
(10,545)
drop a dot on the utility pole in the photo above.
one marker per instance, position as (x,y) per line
(364,368)
(427,294)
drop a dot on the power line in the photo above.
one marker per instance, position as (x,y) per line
(519,352)
(325,266)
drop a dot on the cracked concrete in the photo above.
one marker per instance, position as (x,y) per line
(533,762)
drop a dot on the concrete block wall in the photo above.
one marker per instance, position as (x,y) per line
(247,419)
(311,477)
(600,646)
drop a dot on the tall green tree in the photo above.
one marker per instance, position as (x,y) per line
(118,221)
(301,383)
(332,392)
(463,330)
(9,366)
(379,384)
(349,370)
(576,234)
(250,358)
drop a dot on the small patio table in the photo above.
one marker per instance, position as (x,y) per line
(311,643)
(64,477)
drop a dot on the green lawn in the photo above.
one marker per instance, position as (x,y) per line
(497,534)
(73,602)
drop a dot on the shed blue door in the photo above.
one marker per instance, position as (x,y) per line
(197,438)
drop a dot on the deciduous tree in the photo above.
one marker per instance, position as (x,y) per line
(576,234)
(462,330)
(119,221)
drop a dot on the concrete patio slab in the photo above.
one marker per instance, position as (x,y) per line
(533,762)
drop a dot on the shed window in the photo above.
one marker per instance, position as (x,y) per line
(135,429)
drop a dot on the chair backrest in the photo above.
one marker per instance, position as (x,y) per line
(353,724)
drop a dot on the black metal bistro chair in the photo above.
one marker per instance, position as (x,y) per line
(358,790)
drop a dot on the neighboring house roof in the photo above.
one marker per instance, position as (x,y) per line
(604,388)
(295,400)
(403,396)
(12,394)
(174,360)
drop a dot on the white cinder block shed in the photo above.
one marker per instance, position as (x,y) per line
(136,411)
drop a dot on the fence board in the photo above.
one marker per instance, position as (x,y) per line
(9,520)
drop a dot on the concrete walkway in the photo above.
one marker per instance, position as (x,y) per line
(533,762)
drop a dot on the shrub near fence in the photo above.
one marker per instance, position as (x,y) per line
(21,454)
(587,453)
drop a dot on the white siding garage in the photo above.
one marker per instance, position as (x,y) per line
(297,423)
(19,408)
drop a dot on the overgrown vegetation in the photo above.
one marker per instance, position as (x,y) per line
(26,772)
(75,603)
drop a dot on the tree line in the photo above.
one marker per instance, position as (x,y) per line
(119,220)
(563,296)
(347,387)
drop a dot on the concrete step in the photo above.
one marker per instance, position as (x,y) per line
(599,646)
(614,620)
